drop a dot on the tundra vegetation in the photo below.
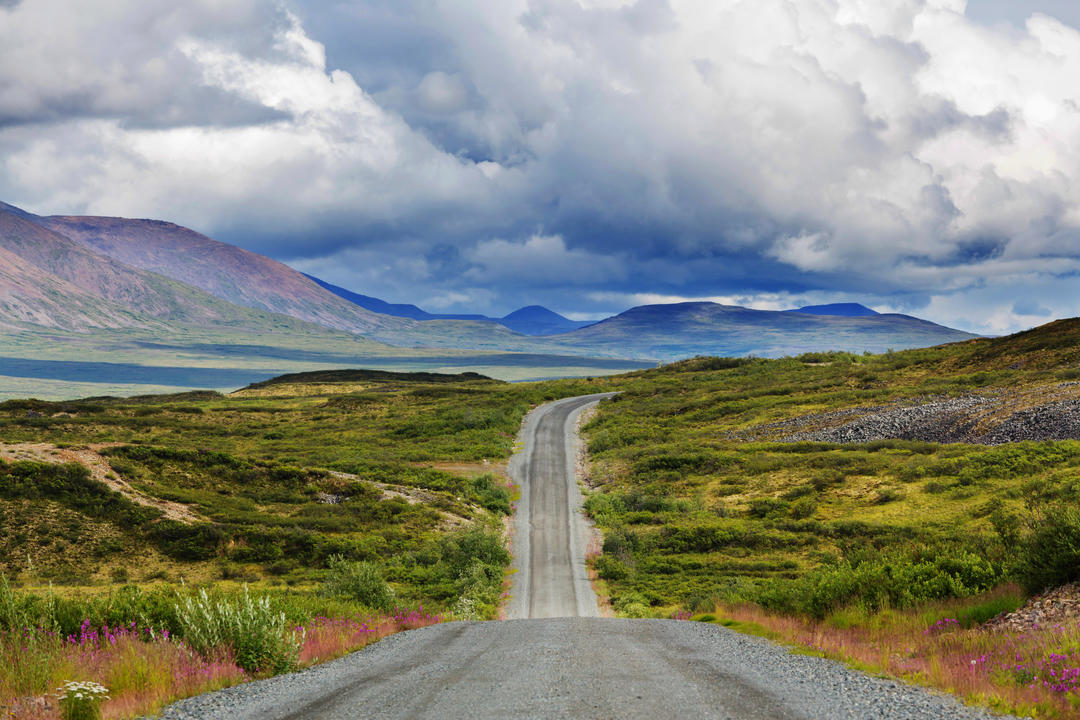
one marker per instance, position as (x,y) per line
(890,554)
(293,521)
(278,526)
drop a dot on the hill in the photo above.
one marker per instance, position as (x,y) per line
(222,270)
(29,295)
(670,332)
(54,282)
(538,320)
(256,281)
(838,309)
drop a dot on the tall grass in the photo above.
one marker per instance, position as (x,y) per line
(145,670)
(256,635)
(942,645)
(223,640)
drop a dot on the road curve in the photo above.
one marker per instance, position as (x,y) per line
(556,659)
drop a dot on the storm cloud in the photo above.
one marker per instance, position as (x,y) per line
(916,155)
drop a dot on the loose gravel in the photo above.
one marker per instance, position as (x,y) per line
(983,419)
(576,667)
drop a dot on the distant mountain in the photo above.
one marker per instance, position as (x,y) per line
(225,271)
(531,320)
(837,310)
(374,304)
(161,280)
(538,320)
(77,301)
(669,332)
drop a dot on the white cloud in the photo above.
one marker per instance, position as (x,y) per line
(335,149)
(539,260)
(852,145)
(756,301)
(441,93)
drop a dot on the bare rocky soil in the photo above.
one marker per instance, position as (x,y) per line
(89,457)
(991,418)
(1054,607)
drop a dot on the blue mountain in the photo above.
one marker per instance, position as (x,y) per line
(531,320)
(836,310)
(538,320)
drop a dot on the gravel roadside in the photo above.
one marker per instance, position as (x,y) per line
(576,667)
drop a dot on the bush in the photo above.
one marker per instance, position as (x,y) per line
(896,581)
(249,629)
(1050,553)
(359,581)
(611,568)
(803,508)
(492,495)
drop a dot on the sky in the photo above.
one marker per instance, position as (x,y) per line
(918,156)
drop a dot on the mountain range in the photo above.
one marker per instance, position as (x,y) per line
(530,320)
(76,285)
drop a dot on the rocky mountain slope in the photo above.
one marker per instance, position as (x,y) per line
(52,281)
(225,271)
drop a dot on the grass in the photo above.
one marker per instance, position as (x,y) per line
(941,645)
(393,483)
(146,669)
(851,550)
(335,501)
(277,484)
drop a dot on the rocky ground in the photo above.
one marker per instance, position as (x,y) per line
(990,418)
(1054,607)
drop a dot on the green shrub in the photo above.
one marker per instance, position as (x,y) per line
(621,543)
(803,508)
(491,494)
(767,507)
(249,629)
(611,568)
(1049,555)
(877,582)
(359,581)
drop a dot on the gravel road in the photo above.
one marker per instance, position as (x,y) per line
(577,666)
(550,579)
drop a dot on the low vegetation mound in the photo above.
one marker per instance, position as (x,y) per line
(370,376)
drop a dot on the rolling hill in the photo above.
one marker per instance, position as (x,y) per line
(224,271)
(670,332)
(837,309)
(538,320)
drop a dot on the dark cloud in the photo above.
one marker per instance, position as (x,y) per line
(995,11)
(580,153)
